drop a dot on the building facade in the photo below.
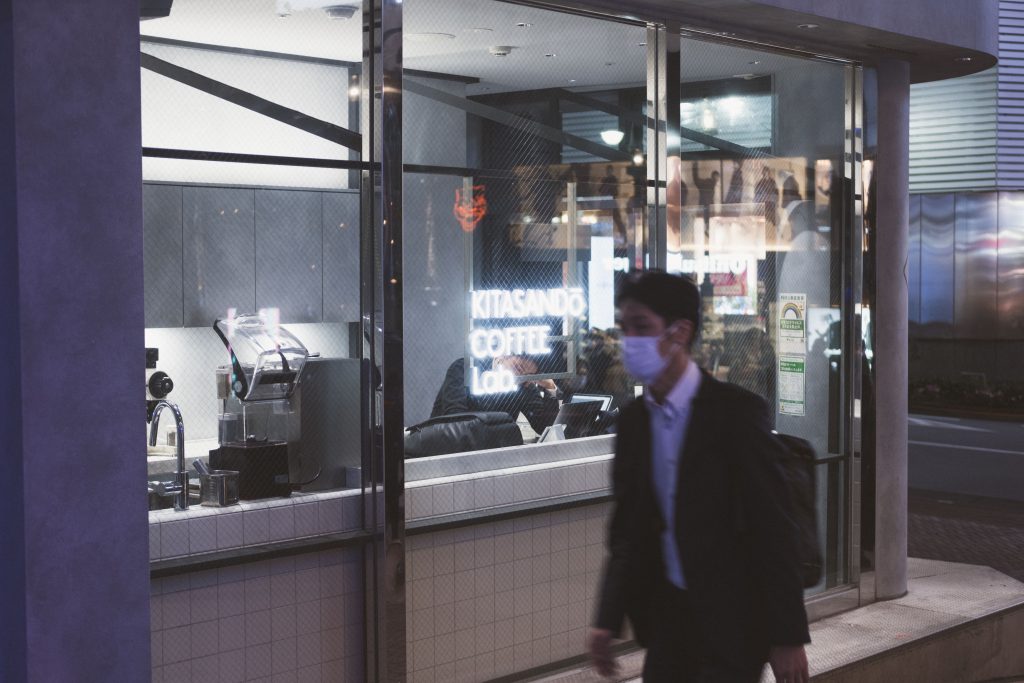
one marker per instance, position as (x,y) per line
(964,270)
(370,251)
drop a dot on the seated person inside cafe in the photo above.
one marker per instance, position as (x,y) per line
(536,399)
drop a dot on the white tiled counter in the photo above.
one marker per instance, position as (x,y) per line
(482,491)
(199,530)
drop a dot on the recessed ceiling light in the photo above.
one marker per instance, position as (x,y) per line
(964,59)
(726,34)
(524,24)
(572,80)
(340,12)
(429,37)
(612,137)
(641,44)
(550,54)
(808,26)
(755,62)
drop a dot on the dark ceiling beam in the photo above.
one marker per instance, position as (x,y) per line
(291,117)
(249,52)
(640,119)
(511,120)
(354,67)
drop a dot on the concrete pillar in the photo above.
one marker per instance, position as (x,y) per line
(891,328)
(74,574)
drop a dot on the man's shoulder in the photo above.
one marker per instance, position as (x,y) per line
(738,401)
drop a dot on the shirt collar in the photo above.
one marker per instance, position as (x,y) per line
(678,399)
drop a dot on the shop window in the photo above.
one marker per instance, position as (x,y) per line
(524,204)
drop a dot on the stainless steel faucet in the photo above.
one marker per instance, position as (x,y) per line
(179,489)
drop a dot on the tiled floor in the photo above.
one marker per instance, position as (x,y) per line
(941,595)
(968,529)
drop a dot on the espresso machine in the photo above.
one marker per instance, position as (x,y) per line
(256,419)
(288,420)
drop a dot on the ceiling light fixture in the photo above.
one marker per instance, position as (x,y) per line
(727,34)
(612,137)
(964,59)
(429,37)
(523,24)
(641,44)
(500,50)
(808,27)
(335,9)
(337,12)
(550,54)
(755,62)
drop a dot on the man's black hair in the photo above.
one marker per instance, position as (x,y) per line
(671,297)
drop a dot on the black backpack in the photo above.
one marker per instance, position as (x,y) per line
(796,463)
(798,469)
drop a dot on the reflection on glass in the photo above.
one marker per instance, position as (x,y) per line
(760,232)
(545,157)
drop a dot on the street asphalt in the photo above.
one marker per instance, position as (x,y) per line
(967,492)
(968,457)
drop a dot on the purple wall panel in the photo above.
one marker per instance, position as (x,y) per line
(79,240)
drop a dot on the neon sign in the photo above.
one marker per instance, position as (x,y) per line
(494,343)
(469,211)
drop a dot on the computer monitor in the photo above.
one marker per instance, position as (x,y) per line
(605,399)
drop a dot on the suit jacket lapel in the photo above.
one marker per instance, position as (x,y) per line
(645,463)
(700,429)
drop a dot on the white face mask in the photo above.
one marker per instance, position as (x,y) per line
(642,359)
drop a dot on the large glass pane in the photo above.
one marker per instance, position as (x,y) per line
(525,199)
(763,140)
(525,196)
(251,219)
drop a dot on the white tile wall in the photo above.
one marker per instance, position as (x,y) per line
(294,619)
(483,601)
(497,598)
(202,530)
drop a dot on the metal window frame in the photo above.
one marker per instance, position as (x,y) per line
(382,302)
(381,308)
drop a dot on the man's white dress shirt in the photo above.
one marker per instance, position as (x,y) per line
(669,422)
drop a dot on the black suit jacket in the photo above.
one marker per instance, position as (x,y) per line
(743,579)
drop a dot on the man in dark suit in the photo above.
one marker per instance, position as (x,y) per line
(703,552)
